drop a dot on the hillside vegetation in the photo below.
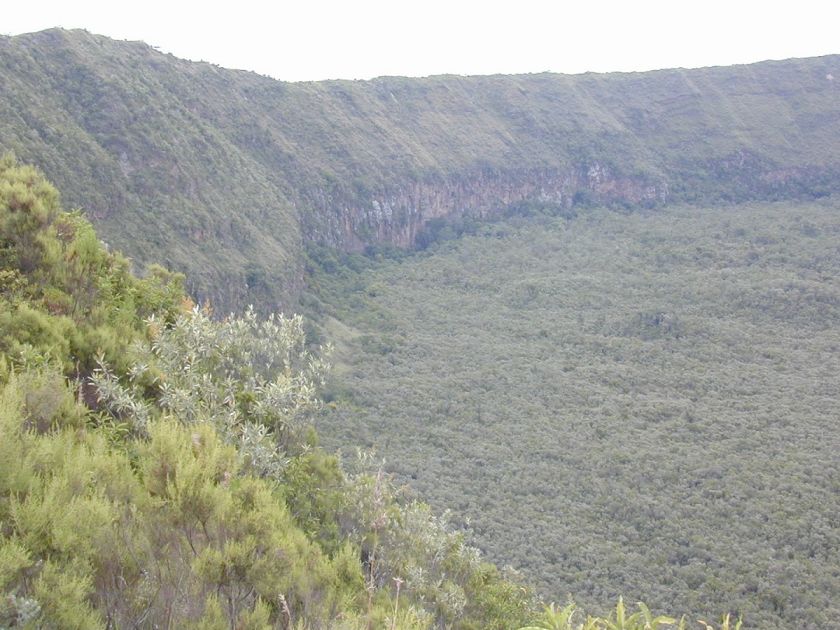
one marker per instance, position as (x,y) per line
(225,175)
(157,468)
(615,403)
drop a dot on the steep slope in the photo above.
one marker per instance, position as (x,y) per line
(226,174)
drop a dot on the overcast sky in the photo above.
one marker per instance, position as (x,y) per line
(360,39)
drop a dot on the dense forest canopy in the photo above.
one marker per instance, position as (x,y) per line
(639,403)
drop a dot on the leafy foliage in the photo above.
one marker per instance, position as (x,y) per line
(65,299)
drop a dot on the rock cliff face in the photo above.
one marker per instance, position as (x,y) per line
(227,175)
(397,215)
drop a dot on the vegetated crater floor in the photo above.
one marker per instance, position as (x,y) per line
(634,403)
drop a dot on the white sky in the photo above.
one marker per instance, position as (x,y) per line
(360,39)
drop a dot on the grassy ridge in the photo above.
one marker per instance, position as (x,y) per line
(641,404)
(224,174)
